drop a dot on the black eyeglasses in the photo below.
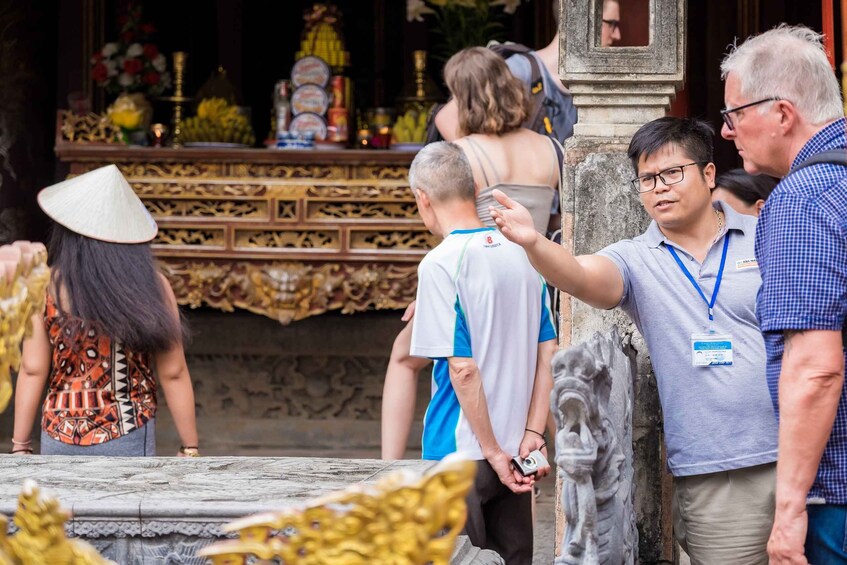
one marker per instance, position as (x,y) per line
(725,113)
(614,24)
(671,175)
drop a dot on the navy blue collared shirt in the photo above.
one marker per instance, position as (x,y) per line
(801,247)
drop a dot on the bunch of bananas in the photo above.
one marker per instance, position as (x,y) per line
(218,121)
(410,128)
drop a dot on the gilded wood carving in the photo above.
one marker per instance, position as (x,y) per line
(283,235)
(289,291)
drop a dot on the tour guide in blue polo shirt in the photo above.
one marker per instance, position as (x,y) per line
(783,108)
(689,283)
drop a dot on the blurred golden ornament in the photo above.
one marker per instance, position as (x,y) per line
(402,519)
(40,538)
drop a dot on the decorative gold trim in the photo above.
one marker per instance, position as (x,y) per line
(289,291)
(288,239)
(357,210)
(190,236)
(184,208)
(90,128)
(416,239)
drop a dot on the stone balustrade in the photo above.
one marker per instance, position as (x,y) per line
(164,510)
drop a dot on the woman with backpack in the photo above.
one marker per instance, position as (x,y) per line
(110,333)
(492,105)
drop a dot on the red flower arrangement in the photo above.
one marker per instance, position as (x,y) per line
(132,64)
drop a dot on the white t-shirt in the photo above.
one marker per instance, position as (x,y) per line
(478,296)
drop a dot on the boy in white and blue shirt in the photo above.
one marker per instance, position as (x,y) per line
(483,315)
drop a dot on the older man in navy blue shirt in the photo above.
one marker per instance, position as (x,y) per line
(783,107)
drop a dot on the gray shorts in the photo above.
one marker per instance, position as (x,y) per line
(725,518)
(137,443)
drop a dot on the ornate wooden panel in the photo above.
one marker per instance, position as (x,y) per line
(287,234)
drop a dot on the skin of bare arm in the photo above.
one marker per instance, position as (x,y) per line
(467,384)
(539,408)
(447,121)
(32,377)
(175,380)
(399,395)
(810,386)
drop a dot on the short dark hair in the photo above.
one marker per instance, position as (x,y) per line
(747,187)
(689,134)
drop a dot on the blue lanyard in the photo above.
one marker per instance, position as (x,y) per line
(710,304)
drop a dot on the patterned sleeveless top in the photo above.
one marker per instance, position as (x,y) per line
(98,391)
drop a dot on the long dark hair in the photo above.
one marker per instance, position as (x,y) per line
(115,286)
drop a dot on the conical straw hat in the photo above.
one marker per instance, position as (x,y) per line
(101,205)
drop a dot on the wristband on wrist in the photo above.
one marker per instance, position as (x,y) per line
(24,450)
(16,442)
(190,450)
(536,433)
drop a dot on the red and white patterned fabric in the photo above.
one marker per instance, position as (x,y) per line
(98,391)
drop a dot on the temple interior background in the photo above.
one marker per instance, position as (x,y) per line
(283,376)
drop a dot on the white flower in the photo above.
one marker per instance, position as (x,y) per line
(134,50)
(111,66)
(415,9)
(160,63)
(509,6)
(125,79)
(109,49)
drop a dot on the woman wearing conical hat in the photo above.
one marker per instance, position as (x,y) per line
(111,332)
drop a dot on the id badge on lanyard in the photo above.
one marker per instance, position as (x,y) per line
(710,349)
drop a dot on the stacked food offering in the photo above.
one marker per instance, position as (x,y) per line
(320,102)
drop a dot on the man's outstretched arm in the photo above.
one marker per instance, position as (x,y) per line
(593,279)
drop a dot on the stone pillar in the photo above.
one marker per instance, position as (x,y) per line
(616,90)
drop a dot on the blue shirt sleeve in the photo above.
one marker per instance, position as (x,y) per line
(548,326)
(803,255)
(618,253)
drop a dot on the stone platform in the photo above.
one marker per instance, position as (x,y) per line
(163,510)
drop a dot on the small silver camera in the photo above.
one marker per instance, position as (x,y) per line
(531,465)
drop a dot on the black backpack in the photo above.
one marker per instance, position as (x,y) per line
(537,120)
(836,157)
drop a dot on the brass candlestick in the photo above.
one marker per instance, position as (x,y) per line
(179,98)
(420,73)
(179,75)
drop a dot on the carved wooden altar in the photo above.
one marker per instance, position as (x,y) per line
(285,234)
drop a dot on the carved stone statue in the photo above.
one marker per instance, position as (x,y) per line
(592,406)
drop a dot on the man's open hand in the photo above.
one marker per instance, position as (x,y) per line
(515,221)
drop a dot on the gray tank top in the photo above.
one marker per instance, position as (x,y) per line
(538,199)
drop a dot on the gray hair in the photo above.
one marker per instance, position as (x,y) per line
(787,62)
(443,171)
